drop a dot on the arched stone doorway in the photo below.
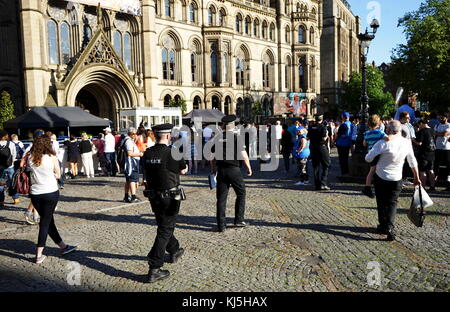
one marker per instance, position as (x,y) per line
(103,90)
(197,102)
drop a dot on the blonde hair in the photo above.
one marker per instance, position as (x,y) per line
(374,121)
(84,136)
(53,137)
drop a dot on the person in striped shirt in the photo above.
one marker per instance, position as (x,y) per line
(371,137)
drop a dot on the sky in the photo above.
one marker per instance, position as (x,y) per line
(388,13)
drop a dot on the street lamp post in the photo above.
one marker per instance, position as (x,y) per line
(364,40)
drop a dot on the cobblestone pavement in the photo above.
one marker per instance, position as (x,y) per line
(297,240)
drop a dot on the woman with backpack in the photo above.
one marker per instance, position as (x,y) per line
(44,193)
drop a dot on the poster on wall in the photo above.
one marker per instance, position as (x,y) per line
(292,103)
(125,6)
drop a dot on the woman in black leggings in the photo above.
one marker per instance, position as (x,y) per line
(44,193)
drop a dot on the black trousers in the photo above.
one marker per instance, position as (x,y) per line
(226,177)
(387,193)
(45,205)
(286,161)
(166,212)
(343,152)
(320,157)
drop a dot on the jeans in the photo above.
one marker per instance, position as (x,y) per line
(111,163)
(45,205)
(166,212)
(320,157)
(343,152)
(88,164)
(8,172)
(226,177)
(387,193)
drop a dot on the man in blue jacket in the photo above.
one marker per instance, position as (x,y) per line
(344,142)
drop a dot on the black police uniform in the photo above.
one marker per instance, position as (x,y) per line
(161,172)
(319,154)
(229,174)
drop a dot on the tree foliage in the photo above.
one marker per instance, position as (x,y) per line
(380,102)
(6,108)
(181,104)
(422,64)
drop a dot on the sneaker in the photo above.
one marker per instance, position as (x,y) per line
(367,190)
(324,188)
(135,199)
(36,218)
(157,275)
(68,249)
(127,199)
(40,259)
(406,182)
(176,256)
(29,217)
(240,224)
(306,182)
(300,183)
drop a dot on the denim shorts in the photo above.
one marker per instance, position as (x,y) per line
(134,177)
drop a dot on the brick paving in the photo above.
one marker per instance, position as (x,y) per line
(297,240)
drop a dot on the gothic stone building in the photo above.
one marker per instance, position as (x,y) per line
(218,54)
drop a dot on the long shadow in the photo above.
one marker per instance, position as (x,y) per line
(405,211)
(14,248)
(11,221)
(73,199)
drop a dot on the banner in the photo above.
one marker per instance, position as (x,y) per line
(125,6)
(292,103)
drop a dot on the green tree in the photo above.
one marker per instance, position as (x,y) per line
(257,108)
(181,103)
(422,64)
(380,102)
(6,108)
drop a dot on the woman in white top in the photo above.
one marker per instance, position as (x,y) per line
(44,193)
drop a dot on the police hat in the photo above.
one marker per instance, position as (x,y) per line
(318,117)
(164,128)
(228,119)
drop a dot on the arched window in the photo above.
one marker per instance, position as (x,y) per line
(168,8)
(194,67)
(211,16)
(167,100)
(65,43)
(288,34)
(193,12)
(301,34)
(311,36)
(172,65)
(256,28)
(267,65)
(239,72)
(238,23)
(287,73)
(214,71)
(264,30)
(227,105)
(165,64)
(225,67)
(117,42)
(272,32)
(247,26)
(301,74)
(127,55)
(197,102)
(52,34)
(222,16)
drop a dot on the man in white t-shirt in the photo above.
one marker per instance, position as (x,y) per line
(7,165)
(442,158)
(110,152)
(131,166)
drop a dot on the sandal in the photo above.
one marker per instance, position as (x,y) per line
(40,259)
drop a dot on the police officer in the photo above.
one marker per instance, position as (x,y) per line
(226,164)
(320,155)
(162,180)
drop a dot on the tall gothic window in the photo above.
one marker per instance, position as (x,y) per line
(311,36)
(212,16)
(194,67)
(52,33)
(127,54)
(117,42)
(264,30)
(301,74)
(239,72)
(247,26)
(214,64)
(225,67)
(272,32)
(168,64)
(287,73)
(238,23)
(65,43)
(172,65)
(222,16)
(168,8)
(288,35)
(256,28)
(301,34)
(193,12)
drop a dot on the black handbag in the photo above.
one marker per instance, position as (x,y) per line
(416,214)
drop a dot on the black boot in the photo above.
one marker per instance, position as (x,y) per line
(391,234)
(381,229)
(157,275)
(174,257)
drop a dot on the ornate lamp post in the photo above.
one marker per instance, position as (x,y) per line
(364,41)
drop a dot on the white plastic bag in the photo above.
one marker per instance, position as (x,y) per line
(426,200)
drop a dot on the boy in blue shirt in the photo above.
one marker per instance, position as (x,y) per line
(301,154)
(371,137)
